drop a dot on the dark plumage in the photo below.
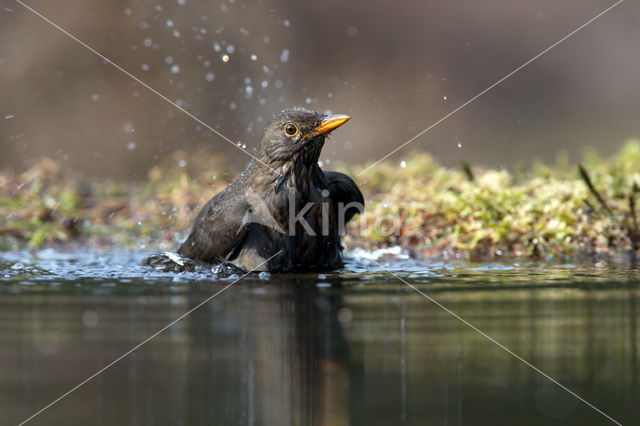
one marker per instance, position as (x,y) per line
(249,221)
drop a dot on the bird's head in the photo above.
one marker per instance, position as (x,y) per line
(297,135)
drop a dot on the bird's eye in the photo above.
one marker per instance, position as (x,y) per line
(291,129)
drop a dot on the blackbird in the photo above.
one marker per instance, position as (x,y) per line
(283,208)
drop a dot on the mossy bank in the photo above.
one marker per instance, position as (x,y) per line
(560,211)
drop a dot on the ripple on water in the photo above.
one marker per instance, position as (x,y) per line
(50,268)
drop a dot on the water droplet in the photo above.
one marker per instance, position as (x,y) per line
(145,67)
(182,2)
(459,145)
(284,56)
(175,69)
(182,163)
(210,76)
(352,31)
(95,97)
(168,60)
(8,116)
(225,58)
(128,127)
(131,146)
(254,57)
(286,23)
(216,47)
(147,42)
(444,97)
(403,164)
(169,23)
(264,84)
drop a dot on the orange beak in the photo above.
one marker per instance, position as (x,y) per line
(330,123)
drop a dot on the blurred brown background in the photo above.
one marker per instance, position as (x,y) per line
(396,67)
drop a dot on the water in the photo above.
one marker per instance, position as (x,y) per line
(356,346)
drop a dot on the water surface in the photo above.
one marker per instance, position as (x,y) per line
(352,347)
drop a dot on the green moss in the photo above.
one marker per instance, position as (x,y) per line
(538,211)
(543,212)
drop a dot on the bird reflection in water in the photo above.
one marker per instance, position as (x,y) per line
(294,358)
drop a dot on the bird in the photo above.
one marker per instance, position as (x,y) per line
(283,213)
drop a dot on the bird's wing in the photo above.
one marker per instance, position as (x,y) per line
(344,192)
(219,227)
